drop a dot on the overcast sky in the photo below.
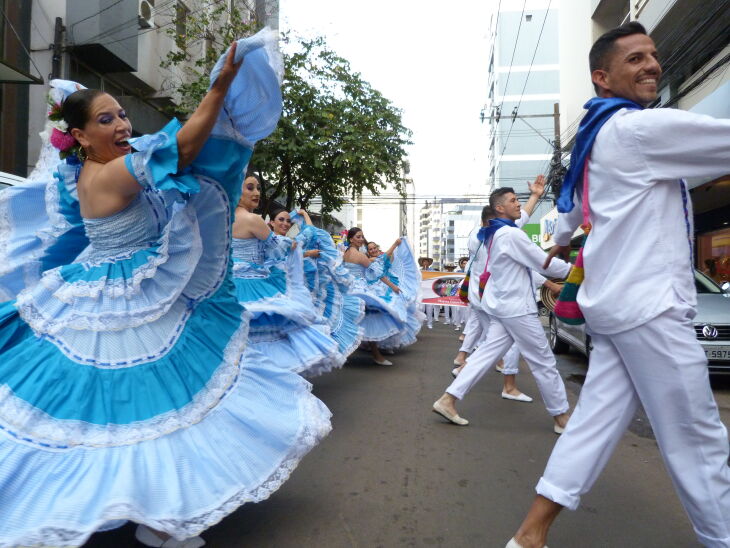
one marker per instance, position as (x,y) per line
(430,59)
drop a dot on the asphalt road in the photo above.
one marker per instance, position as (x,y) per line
(392,473)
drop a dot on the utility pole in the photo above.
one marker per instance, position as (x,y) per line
(58,31)
(557,171)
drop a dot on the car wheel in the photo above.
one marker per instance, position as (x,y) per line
(557,345)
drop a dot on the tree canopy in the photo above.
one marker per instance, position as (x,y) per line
(337,137)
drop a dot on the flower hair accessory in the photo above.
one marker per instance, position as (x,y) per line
(59,136)
(56,131)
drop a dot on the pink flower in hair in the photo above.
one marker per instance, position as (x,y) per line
(61,140)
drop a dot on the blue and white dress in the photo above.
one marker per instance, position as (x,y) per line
(391,319)
(328,282)
(284,325)
(125,393)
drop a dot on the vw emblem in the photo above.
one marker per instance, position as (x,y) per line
(709,332)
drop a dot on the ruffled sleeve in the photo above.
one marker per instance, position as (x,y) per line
(155,164)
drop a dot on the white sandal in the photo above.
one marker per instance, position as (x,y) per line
(148,537)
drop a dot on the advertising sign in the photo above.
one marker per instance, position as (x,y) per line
(441,288)
(533,231)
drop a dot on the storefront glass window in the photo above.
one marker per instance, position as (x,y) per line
(713,254)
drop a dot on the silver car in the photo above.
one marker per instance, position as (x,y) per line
(712,326)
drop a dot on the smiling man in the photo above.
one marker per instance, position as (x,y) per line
(638,296)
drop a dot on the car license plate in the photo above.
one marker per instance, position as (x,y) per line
(717,352)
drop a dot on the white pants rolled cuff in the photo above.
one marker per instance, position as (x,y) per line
(712,542)
(511,361)
(557,495)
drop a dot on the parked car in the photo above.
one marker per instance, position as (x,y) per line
(712,326)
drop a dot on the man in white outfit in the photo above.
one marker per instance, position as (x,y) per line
(509,298)
(478,320)
(639,309)
(474,329)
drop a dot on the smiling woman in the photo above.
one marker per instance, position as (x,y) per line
(127,391)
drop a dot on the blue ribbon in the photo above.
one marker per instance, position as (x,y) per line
(486,232)
(600,110)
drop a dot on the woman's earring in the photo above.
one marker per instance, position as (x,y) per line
(82,154)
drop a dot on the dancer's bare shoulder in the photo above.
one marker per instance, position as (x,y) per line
(249,225)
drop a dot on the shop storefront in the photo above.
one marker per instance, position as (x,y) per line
(713,254)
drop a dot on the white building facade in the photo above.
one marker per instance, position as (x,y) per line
(524,88)
(117,46)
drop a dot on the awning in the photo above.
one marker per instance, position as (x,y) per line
(11,75)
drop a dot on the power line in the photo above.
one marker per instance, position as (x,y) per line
(517,39)
(524,87)
(110,6)
(128,23)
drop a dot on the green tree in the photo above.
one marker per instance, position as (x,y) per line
(201,36)
(338,136)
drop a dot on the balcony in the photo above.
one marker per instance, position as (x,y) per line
(104,36)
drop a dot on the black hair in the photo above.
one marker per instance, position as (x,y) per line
(487,213)
(598,57)
(77,106)
(495,198)
(275,211)
(354,230)
(462,259)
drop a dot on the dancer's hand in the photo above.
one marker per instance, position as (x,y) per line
(562,250)
(554,288)
(293,245)
(229,70)
(537,188)
(314,253)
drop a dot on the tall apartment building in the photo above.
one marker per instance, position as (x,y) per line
(524,86)
(113,45)
(444,228)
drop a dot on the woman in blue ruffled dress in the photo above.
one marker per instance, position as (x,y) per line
(327,281)
(269,278)
(124,390)
(386,307)
(403,272)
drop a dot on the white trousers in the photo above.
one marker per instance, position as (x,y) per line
(432,313)
(458,314)
(662,366)
(511,361)
(473,331)
(477,325)
(527,332)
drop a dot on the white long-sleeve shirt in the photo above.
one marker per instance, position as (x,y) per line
(478,254)
(510,291)
(638,257)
